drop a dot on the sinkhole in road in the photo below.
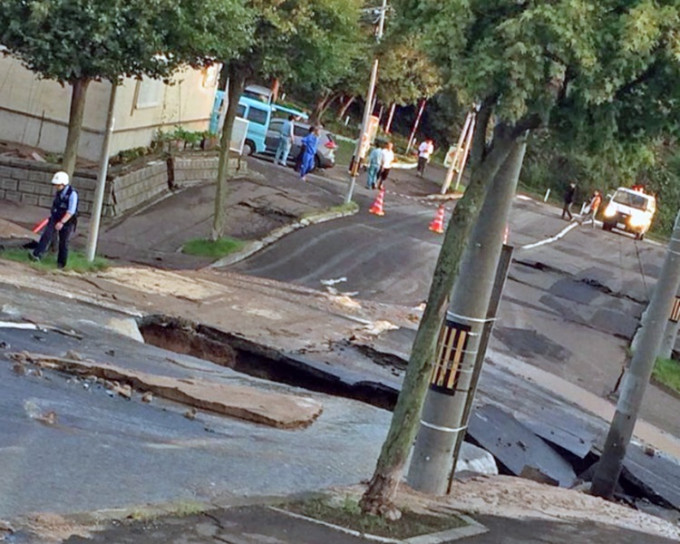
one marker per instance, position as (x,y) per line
(242,355)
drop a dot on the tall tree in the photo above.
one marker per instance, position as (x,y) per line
(406,72)
(576,64)
(76,42)
(299,40)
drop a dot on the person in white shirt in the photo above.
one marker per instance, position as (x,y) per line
(387,161)
(425,150)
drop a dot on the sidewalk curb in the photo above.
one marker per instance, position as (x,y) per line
(275,235)
(473,528)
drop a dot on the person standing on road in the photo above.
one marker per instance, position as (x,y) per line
(568,201)
(387,162)
(591,210)
(63,219)
(309,143)
(375,161)
(425,151)
(286,134)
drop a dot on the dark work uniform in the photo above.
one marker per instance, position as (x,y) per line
(60,206)
(568,200)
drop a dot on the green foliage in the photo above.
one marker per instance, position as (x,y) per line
(129,155)
(406,73)
(667,372)
(178,139)
(303,40)
(97,39)
(77,261)
(213,249)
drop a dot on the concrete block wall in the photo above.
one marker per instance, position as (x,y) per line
(28,182)
(201,168)
(134,189)
(189,169)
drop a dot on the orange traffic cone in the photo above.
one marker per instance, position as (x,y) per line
(437,224)
(377,207)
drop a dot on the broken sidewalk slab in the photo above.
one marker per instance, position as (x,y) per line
(270,408)
(568,431)
(657,475)
(515,446)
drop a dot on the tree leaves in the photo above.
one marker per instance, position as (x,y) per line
(67,40)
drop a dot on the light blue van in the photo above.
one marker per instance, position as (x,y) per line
(258,114)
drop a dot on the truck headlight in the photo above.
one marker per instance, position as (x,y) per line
(638,220)
(610,211)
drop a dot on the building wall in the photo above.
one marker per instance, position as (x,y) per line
(34,112)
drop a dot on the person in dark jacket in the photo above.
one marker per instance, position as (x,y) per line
(63,219)
(568,201)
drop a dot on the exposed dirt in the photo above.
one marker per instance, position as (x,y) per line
(517,498)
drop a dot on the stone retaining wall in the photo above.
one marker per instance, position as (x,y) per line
(28,182)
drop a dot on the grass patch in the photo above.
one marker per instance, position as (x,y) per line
(77,261)
(214,249)
(667,372)
(345,512)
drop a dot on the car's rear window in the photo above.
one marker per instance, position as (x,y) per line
(301,130)
(639,202)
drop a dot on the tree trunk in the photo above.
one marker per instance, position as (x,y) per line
(390,118)
(321,106)
(328,104)
(378,498)
(345,107)
(237,82)
(75,124)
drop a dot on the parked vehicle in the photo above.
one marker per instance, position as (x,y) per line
(325,151)
(631,210)
(260,116)
(258,112)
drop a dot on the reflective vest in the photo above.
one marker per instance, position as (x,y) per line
(60,204)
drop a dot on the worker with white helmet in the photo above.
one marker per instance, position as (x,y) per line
(63,219)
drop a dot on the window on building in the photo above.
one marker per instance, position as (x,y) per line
(149,93)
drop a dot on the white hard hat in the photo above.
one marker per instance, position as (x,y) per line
(60,178)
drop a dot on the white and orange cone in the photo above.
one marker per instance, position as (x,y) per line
(377,207)
(437,224)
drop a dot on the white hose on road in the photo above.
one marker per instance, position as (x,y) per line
(552,239)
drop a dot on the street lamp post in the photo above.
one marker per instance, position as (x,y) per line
(360,148)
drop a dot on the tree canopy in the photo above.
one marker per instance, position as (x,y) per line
(602,72)
(96,39)
(79,41)
(406,73)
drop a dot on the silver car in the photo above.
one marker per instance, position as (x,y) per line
(325,150)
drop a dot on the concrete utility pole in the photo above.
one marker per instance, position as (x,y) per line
(637,376)
(96,214)
(443,420)
(672,328)
(360,148)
